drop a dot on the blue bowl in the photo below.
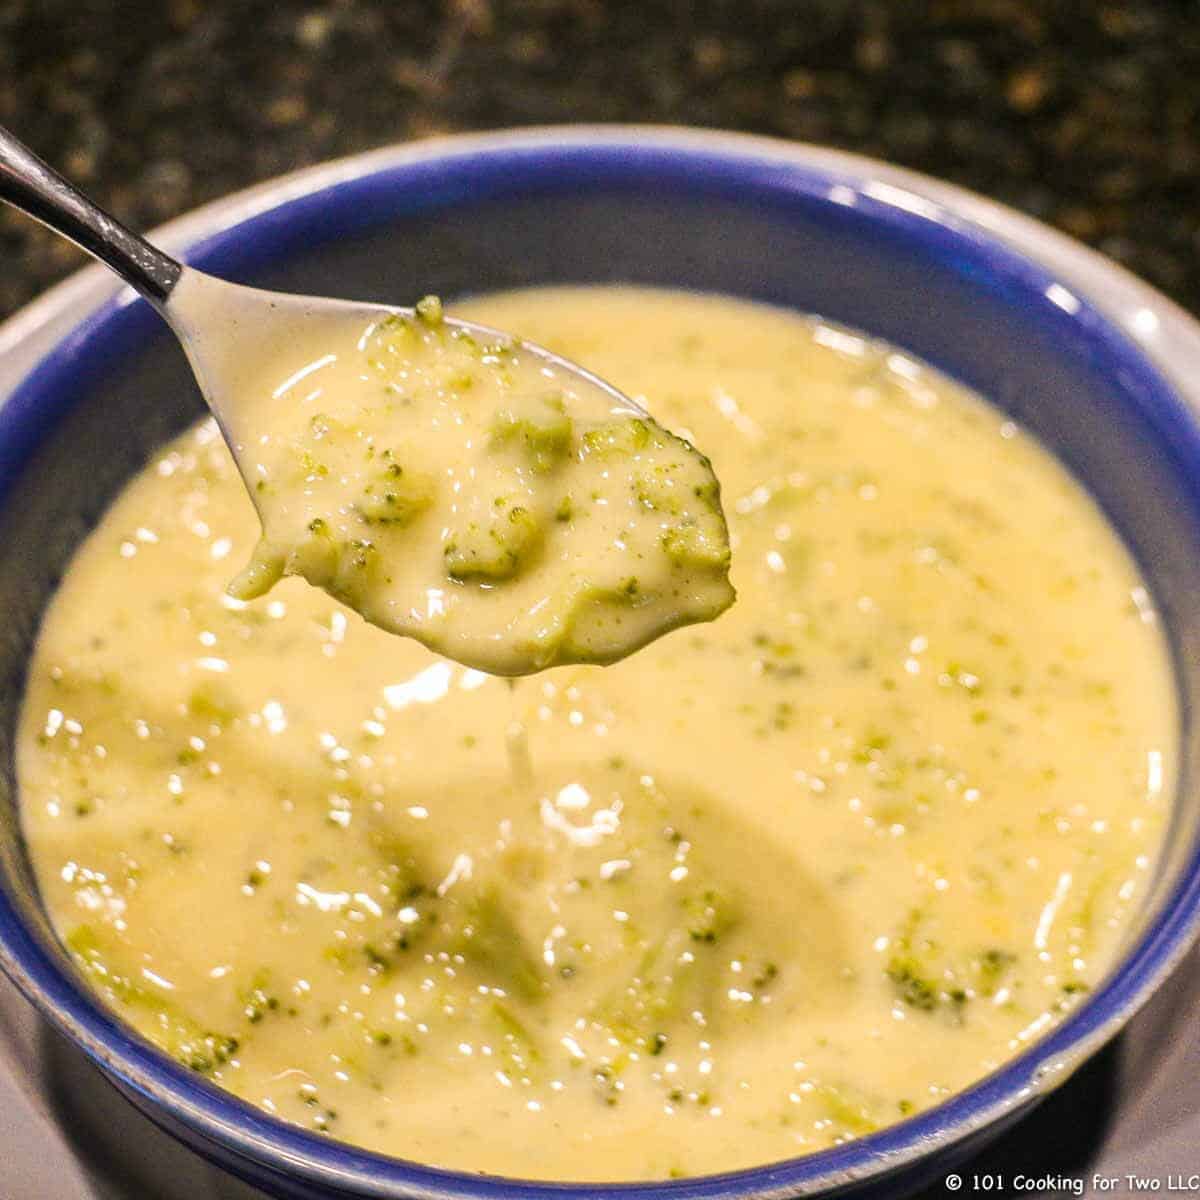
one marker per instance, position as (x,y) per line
(1102,368)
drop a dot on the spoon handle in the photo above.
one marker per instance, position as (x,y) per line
(28,184)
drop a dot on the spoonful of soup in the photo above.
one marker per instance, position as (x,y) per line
(449,482)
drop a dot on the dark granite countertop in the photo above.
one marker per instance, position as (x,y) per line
(1084,114)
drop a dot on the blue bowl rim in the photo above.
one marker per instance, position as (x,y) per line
(1120,315)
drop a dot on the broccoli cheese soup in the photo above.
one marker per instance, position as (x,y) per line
(769,884)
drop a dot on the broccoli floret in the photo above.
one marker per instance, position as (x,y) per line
(489,941)
(397,496)
(705,546)
(517,1043)
(183,1038)
(429,309)
(495,549)
(543,430)
(258,1000)
(626,436)
(925,979)
(912,986)
(678,974)
(989,968)
(710,916)
(684,490)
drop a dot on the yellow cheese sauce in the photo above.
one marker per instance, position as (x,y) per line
(471,494)
(768,884)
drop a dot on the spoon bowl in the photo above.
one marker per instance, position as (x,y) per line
(222,325)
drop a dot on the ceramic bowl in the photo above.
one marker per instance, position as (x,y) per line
(1102,368)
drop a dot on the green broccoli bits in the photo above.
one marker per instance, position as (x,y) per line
(625,437)
(429,310)
(188,1042)
(490,942)
(684,491)
(346,568)
(496,549)
(702,545)
(543,431)
(925,978)
(396,496)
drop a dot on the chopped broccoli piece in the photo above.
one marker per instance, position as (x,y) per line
(926,979)
(183,1038)
(989,968)
(626,436)
(495,549)
(544,431)
(710,916)
(705,546)
(490,941)
(913,988)
(678,974)
(258,1000)
(396,497)
(429,310)
(697,537)
(518,1045)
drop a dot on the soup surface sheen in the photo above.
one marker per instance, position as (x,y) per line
(769,884)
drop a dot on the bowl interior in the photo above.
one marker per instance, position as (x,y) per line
(476,221)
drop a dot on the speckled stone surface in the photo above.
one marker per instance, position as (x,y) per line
(1084,114)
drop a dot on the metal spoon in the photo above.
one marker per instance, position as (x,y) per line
(187,298)
(500,580)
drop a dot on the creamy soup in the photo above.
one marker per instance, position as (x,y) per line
(767,885)
(468,493)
